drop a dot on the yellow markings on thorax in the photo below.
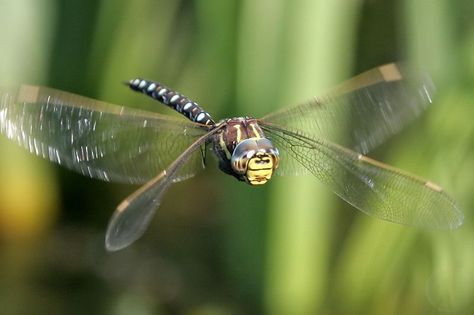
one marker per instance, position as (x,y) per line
(224,146)
(238,137)
(252,131)
(255,130)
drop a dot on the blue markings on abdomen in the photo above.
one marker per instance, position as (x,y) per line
(178,102)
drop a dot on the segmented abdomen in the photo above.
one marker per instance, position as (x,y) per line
(173,99)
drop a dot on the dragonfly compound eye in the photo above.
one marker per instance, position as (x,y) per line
(255,159)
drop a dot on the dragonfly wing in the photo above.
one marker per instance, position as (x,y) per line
(94,138)
(373,187)
(134,214)
(364,111)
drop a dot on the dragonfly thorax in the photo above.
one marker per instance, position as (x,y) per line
(245,152)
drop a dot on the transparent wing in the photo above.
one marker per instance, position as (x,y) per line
(94,138)
(364,111)
(373,187)
(134,214)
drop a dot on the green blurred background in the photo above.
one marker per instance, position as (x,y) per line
(291,247)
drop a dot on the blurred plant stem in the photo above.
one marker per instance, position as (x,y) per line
(297,49)
(433,42)
(28,192)
(28,187)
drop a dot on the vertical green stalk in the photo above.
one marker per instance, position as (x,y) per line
(131,40)
(428,35)
(300,47)
(433,42)
(28,189)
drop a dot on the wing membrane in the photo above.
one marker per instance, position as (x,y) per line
(372,187)
(94,138)
(134,214)
(364,111)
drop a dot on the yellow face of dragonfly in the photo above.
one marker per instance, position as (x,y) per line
(260,168)
(255,159)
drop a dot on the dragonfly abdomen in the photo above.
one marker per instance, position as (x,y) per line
(173,99)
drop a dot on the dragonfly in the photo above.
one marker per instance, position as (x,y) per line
(126,145)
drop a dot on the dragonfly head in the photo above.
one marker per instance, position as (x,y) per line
(255,160)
